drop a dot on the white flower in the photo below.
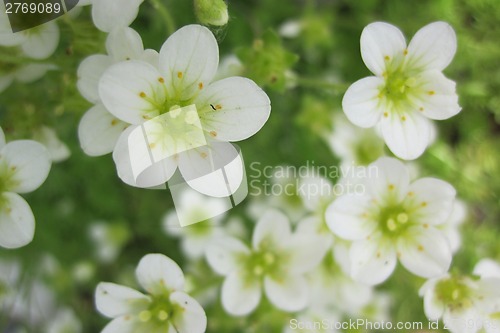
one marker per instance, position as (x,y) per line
(451,228)
(408,88)
(393,220)
(99,130)
(24,166)
(110,14)
(165,308)
(465,305)
(276,261)
(58,150)
(139,94)
(108,239)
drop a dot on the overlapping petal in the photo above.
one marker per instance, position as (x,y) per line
(17,223)
(224,254)
(240,296)
(289,294)
(110,14)
(113,300)
(157,273)
(361,102)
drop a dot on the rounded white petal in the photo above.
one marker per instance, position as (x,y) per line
(380,40)
(151,57)
(157,273)
(345,217)
(273,227)
(433,198)
(30,163)
(392,178)
(122,85)
(487,268)
(190,57)
(223,254)
(289,294)
(433,47)
(58,150)
(99,131)
(42,43)
(113,300)
(240,296)
(424,252)
(314,191)
(192,317)
(372,260)
(124,43)
(215,169)
(17,223)
(124,324)
(153,175)
(439,99)
(89,73)
(2,138)
(433,307)
(407,135)
(109,14)
(361,102)
(466,320)
(233,109)
(32,72)
(306,251)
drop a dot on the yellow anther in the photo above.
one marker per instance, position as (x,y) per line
(391,224)
(163,315)
(145,316)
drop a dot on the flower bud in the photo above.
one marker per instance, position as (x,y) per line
(211,12)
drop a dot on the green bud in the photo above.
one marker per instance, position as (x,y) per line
(211,12)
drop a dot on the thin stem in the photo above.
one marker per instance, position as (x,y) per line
(167,17)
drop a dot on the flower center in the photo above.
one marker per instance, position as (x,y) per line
(159,311)
(397,86)
(393,220)
(454,293)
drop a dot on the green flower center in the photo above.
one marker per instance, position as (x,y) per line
(397,86)
(159,312)
(393,220)
(454,293)
(266,261)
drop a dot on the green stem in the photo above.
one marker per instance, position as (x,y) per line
(167,17)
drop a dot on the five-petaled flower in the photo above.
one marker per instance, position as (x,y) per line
(394,219)
(408,88)
(277,260)
(24,166)
(165,308)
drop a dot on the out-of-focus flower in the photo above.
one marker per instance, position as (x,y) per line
(110,14)
(64,321)
(220,112)
(57,149)
(108,239)
(393,219)
(165,308)
(276,262)
(464,304)
(24,166)
(23,74)
(408,88)
(451,228)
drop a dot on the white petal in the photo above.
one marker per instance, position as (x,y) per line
(215,169)
(233,109)
(391,179)
(487,268)
(30,163)
(89,73)
(306,251)
(57,149)
(406,134)
(361,102)
(380,40)
(439,99)
(345,217)
(99,131)
(223,254)
(152,175)
(433,308)
(124,43)
(467,320)
(372,261)
(151,57)
(108,14)
(42,43)
(192,318)
(424,252)
(432,200)
(113,300)
(289,294)
(315,191)
(157,273)
(2,138)
(190,57)
(122,85)
(240,296)
(17,223)
(273,228)
(32,72)
(433,46)
(124,324)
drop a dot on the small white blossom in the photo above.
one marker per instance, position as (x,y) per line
(393,219)
(58,150)
(110,14)
(408,88)
(24,166)
(276,262)
(165,307)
